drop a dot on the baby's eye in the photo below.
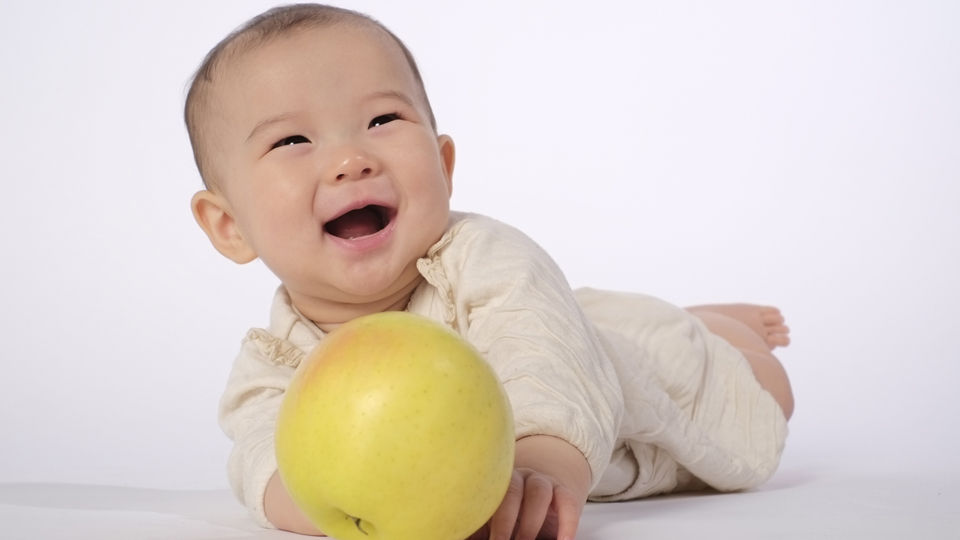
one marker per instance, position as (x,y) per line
(293,139)
(383,119)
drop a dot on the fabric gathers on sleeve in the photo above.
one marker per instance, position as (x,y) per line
(514,305)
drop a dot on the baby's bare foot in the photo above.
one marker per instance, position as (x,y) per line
(766,321)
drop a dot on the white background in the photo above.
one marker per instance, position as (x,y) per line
(805,154)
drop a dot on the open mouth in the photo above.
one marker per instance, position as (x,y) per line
(360,222)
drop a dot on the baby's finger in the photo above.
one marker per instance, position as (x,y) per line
(504,519)
(568,509)
(537,496)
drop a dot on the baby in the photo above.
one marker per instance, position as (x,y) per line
(319,153)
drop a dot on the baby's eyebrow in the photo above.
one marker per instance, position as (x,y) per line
(263,124)
(392,94)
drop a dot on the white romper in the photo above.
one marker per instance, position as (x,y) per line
(655,402)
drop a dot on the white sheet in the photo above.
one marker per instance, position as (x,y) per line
(802,501)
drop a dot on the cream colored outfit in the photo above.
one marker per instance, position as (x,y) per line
(654,401)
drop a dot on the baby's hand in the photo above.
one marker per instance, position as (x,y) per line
(546,495)
(536,506)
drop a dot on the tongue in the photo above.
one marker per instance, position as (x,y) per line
(356,223)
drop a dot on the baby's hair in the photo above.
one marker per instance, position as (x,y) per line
(259,30)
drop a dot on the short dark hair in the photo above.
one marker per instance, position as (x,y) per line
(269,25)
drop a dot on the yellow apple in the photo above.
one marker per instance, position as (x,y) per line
(395,428)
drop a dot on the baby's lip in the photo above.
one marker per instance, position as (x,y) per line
(360,219)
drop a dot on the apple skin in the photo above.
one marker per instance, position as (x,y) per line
(395,428)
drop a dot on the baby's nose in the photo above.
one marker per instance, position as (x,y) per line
(355,167)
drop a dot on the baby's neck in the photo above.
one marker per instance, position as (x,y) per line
(328,314)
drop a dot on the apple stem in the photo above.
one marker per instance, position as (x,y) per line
(356,521)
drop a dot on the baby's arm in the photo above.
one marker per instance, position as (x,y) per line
(514,305)
(547,492)
(248,411)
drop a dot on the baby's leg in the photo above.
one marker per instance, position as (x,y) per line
(755,331)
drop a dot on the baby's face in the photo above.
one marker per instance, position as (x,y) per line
(324,151)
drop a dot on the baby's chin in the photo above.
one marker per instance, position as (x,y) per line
(385,287)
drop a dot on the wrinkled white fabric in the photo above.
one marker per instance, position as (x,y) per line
(653,400)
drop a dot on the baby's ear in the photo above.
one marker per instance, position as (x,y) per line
(214,216)
(448,156)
